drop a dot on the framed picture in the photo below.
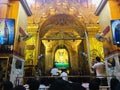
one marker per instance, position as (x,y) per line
(115,25)
(7,31)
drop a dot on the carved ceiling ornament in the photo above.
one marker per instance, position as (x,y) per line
(62,22)
(56,13)
(77,8)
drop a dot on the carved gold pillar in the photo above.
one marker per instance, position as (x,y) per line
(48,55)
(48,59)
(38,44)
(74,54)
(74,59)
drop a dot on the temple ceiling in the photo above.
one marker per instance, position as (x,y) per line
(61,26)
(63,18)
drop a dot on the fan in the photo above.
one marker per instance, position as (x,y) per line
(40,56)
(24,35)
(84,54)
(100,37)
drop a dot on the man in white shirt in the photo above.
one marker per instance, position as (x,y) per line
(99,68)
(64,75)
(54,71)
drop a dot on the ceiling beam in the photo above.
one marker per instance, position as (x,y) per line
(81,38)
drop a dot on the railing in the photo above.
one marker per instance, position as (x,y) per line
(76,78)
